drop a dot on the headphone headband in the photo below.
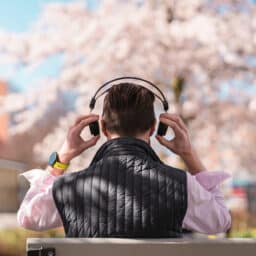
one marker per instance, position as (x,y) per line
(94,98)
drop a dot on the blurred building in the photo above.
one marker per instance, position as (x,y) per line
(3,118)
(12,188)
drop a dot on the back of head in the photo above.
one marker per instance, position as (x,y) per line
(128,109)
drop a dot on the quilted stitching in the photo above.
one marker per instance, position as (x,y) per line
(125,193)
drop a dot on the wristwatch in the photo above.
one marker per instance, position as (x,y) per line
(55,162)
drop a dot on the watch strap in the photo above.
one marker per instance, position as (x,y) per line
(59,165)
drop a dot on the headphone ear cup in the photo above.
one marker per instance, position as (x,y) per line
(162,129)
(94,128)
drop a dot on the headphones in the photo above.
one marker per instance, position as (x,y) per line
(94,126)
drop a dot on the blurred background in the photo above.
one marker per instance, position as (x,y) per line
(54,54)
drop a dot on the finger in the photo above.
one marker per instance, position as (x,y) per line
(163,141)
(83,117)
(79,127)
(176,128)
(91,142)
(180,121)
(175,118)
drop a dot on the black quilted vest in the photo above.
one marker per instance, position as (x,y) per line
(125,192)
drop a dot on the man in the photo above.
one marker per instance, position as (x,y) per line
(127,191)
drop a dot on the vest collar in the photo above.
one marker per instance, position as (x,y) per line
(125,146)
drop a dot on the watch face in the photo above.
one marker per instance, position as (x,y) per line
(53,158)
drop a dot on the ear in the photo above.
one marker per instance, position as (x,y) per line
(152,129)
(103,128)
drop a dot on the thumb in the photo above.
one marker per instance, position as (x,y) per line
(163,141)
(91,142)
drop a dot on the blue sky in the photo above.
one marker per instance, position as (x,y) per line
(21,15)
(18,16)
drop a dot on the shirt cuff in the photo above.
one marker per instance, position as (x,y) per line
(210,180)
(39,177)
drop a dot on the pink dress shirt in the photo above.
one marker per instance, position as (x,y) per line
(206,210)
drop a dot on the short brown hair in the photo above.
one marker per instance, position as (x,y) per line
(128,109)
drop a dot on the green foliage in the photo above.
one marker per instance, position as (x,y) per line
(249,233)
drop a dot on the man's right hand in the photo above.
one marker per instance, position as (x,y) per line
(74,144)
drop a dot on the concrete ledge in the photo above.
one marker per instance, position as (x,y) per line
(145,247)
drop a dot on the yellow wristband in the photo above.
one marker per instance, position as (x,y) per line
(60,166)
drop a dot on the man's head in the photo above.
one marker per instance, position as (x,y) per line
(128,110)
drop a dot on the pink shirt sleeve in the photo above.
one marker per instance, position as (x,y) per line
(206,211)
(38,210)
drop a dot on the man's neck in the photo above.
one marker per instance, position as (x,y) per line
(140,137)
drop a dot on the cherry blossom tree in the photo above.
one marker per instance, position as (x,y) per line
(208,45)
